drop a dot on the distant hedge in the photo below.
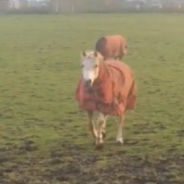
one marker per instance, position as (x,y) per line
(85,6)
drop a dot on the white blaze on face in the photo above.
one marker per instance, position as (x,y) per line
(89,69)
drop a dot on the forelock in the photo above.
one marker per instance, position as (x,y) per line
(89,55)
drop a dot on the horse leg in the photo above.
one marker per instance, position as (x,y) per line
(119,137)
(104,129)
(116,58)
(120,57)
(92,126)
(101,130)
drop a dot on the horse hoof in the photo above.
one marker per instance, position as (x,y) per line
(99,146)
(119,142)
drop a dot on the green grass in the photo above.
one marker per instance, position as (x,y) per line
(44,138)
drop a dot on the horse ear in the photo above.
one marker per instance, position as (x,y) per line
(83,54)
(95,53)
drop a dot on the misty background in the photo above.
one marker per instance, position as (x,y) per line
(89,6)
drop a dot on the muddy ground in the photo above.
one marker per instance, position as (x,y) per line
(74,164)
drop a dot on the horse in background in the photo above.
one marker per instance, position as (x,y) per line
(112,47)
(105,89)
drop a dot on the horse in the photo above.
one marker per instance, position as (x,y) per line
(105,89)
(112,47)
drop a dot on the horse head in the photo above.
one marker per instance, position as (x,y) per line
(91,63)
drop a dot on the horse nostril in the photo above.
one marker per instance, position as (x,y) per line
(88,83)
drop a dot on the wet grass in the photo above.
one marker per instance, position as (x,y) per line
(44,138)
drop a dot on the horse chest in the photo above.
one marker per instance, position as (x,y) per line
(98,93)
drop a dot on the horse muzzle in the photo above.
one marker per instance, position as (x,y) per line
(88,85)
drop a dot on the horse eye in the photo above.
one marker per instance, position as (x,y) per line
(96,66)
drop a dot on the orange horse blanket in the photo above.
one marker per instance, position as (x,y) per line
(113,46)
(114,91)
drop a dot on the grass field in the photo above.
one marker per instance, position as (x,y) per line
(44,138)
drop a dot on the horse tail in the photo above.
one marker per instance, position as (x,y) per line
(124,46)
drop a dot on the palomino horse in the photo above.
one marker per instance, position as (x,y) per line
(112,47)
(107,88)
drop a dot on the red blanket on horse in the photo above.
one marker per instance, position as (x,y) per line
(113,92)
